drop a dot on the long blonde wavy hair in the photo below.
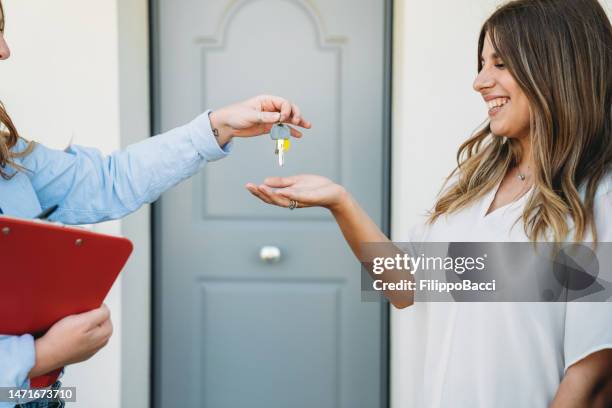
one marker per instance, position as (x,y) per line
(8,133)
(560,54)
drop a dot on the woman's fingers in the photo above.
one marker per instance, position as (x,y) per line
(289,112)
(267,117)
(297,119)
(106,329)
(101,334)
(95,317)
(253,189)
(273,197)
(296,114)
(279,182)
(273,103)
(288,192)
(302,198)
(281,191)
(267,196)
(304,124)
(295,133)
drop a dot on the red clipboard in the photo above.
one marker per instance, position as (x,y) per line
(50,271)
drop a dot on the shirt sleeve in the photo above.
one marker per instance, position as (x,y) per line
(588,325)
(17,357)
(89,187)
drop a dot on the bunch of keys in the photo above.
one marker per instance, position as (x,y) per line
(280,134)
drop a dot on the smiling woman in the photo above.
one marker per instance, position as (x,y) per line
(555,74)
(540,168)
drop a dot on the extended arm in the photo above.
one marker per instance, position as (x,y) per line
(90,187)
(356,226)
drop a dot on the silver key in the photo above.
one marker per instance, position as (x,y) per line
(280,151)
(280,134)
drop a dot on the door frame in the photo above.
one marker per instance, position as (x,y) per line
(155,109)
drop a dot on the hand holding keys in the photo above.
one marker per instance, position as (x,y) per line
(280,134)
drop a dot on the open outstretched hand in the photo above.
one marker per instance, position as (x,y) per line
(308,190)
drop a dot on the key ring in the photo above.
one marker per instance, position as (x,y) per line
(292,204)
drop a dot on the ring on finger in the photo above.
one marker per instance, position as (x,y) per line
(292,204)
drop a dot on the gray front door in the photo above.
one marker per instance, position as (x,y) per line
(230,330)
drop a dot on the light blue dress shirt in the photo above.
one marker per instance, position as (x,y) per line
(90,188)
